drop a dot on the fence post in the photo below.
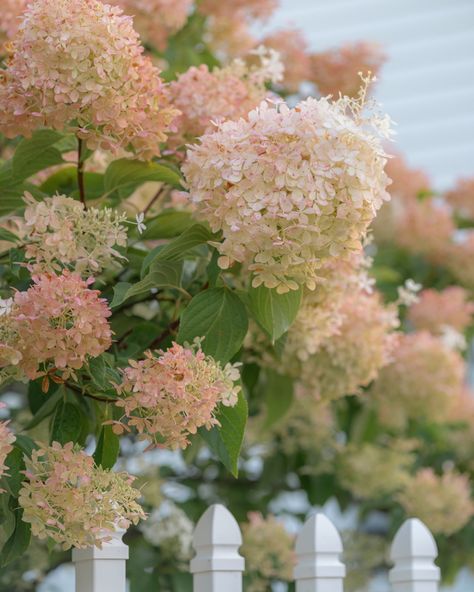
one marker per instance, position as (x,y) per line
(217,566)
(413,552)
(102,570)
(318,548)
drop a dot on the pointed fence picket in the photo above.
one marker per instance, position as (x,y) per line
(218,566)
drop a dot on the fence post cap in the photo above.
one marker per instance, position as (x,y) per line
(114,548)
(318,535)
(413,539)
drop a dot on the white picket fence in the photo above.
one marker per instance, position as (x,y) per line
(218,567)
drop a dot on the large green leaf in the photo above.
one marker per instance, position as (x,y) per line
(19,540)
(278,397)
(274,312)
(163,274)
(36,154)
(46,409)
(218,315)
(195,235)
(67,423)
(107,449)
(226,441)
(125,175)
(167,224)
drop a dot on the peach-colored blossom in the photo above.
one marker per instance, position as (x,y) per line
(156,20)
(79,66)
(60,323)
(257,9)
(67,498)
(10,18)
(61,233)
(337,70)
(293,50)
(461,197)
(407,182)
(290,188)
(420,383)
(268,551)
(168,396)
(435,310)
(229,38)
(442,502)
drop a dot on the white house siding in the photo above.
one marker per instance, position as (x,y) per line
(427,85)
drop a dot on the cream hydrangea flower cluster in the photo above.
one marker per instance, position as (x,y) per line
(60,233)
(435,310)
(205,97)
(290,188)
(6,440)
(268,551)
(353,357)
(67,498)
(60,323)
(156,20)
(79,66)
(338,70)
(373,471)
(442,502)
(168,396)
(420,383)
(10,18)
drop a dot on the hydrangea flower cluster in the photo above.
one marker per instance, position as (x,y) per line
(60,323)
(373,471)
(290,188)
(337,70)
(420,383)
(293,50)
(435,310)
(442,502)
(79,66)
(268,551)
(157,20)
(229,38)
(257,9)
(205,97)
(6,440)
(459,258)
(168,396)
(10,18)
(353,357)
(61,233)
(407,182)
(461,197)
(61,478)
(10,354)
(169,528)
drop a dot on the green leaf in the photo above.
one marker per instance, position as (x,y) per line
(108,447)
(67,423)
(278,397)
(219,316)
(226,441)
(167,224)
(6,235)
(163,274)
(46,409)
(19,540)
(98,372)
(125,175)
(36,154)
(274,312)
(195,235)
(15,467)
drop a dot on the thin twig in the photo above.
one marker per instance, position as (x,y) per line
(166,333)
(154,199)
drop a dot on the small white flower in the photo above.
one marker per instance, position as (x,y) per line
(5,306)
(408,293)
(140,222)
(452,338)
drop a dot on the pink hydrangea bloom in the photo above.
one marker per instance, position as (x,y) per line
(420,383)
(67,498)
(229,38)
(458,256)
(442,502)
(10,354)
(79,66)
(407,182)
(461,197)
(156,20)
(237,9)
(169,396)
(290,188)
(293,50)
(435,310)
(59,232)
(10,18)
(61,323)
(337,70)
(6,440)
(205,97)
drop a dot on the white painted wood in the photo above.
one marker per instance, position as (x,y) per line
(217,566)
(102,570)
(318,550)
(413,552)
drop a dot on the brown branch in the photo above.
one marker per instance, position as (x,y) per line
(166,333)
